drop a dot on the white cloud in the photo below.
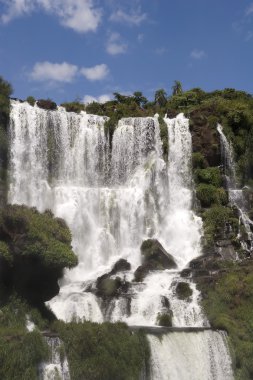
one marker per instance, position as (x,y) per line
(79,15)
(56,72)
(249,10)
(97,72)
(160,50)
(115,45)
(100,99)
(140,37)
(136,17)
(198,54)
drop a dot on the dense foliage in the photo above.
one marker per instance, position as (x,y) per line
(103,351)
(228,303)
(34,250)
(21,352)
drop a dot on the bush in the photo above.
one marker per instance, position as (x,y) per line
(198,160)
(31,100)
(73,107)
(183,291)
(103,351)
(210,176)
(209,195)
(34,250)
(47,104)
(228,303)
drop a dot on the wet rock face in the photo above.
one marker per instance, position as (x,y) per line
(205,139)
(154,257)
(107,287)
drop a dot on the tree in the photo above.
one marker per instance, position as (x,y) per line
(161,97)
(139,98)
(34,250)
(177,88)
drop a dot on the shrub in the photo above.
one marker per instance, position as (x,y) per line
(164,319)
(47,104)
(183,291)
(31,100)
(198,160)
(34,250)
(211,176)
(228,303)
(73,107)
(103,351)
(209,195)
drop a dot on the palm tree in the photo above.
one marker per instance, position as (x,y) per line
(177,88)
(161,97)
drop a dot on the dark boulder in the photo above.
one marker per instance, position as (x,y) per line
(107,287)
(165,319)
(154,257)
(183,291)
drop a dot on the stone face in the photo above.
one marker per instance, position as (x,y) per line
(165,319)
(107,287)
(154,257)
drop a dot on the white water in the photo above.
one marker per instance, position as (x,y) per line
(112,201)
(236,196)
(190,356)
(57,367)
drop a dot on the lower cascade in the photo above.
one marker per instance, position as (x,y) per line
(200,355)
(123,204)
(57,367)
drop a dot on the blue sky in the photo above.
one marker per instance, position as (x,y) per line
(68,49)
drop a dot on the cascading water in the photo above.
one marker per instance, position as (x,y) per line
(236,196)
(57,367)
(112,201)
(199,356)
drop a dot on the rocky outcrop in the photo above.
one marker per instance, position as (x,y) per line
(107,287)
(154,257)
(183,291)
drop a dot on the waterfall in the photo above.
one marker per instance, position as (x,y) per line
(57,367)
(236,196)
(112,200)
(184,356)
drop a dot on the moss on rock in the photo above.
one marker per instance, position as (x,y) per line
(183,291)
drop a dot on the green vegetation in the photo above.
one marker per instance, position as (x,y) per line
(228,303)
(209,195)
(210,176)
(34,250)
(103,351)
(20,352)
(76,106)
(164,319)
(198,160)
(183,291)
(31,100)
(215,220)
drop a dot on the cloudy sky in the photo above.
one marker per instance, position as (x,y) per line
(88,49)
